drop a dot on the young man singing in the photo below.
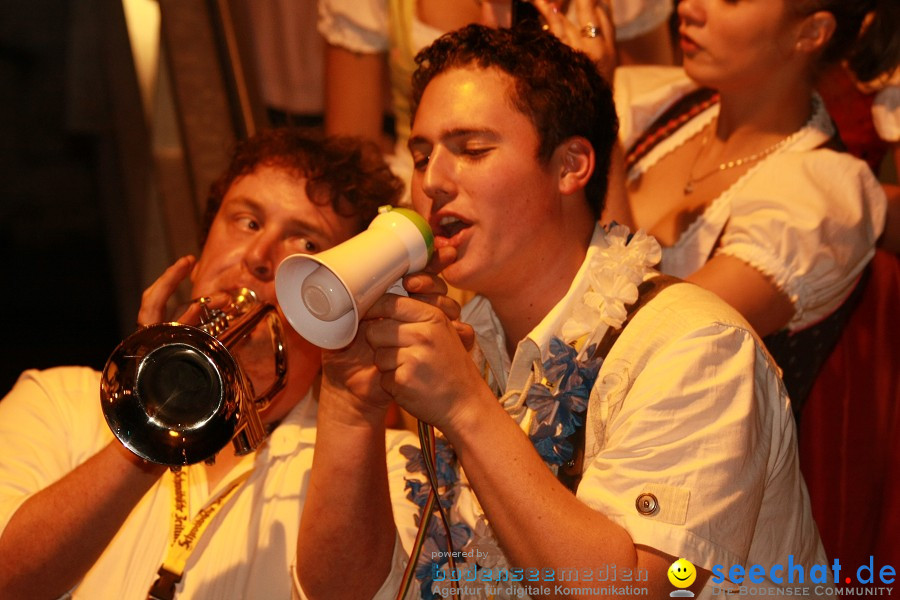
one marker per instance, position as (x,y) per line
(685,429)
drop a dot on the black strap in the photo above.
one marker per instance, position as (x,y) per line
(569,474)
(682,111)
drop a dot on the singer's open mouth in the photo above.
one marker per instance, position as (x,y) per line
(449,226)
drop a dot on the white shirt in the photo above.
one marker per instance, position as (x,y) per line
(51,422)
(687,406)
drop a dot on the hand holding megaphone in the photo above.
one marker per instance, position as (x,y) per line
(323,296)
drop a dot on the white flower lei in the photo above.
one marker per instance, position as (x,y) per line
(615,271)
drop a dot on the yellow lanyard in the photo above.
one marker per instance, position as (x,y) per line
(185,532)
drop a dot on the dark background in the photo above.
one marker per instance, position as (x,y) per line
(59,303)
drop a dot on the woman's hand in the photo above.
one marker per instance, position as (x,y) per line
(593,33)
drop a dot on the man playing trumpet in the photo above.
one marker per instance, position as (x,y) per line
(82,517)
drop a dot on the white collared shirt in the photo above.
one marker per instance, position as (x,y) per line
(51,422)
(688,407)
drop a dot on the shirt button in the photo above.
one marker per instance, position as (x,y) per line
(647,504)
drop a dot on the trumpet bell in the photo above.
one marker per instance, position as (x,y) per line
(174,395)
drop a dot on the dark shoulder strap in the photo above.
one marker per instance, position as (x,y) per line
(570,473)
(647,291)
(675,116)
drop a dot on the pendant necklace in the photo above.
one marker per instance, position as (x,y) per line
(730,164)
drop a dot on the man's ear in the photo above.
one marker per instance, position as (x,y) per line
(815,32)
(576,164)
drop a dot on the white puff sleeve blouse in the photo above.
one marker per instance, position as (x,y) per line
(806,216)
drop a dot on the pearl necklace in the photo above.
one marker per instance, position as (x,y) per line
(729,164)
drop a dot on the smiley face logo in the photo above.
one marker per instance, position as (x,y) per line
(682,573)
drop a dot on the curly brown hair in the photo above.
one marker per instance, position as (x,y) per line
(348,172)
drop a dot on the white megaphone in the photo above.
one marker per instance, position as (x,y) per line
(324,295)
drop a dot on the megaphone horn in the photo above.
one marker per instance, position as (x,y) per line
(324,295)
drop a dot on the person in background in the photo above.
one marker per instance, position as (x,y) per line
(849,454)
(289,58)
(862,93)
(82,517)
(734,165)
(608,416)
(373,43)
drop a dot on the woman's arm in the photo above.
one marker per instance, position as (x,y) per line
(355,94)
(746,289)
(617,208)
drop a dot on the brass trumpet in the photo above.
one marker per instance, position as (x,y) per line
(174,394)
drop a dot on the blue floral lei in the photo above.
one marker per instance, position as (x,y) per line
(559,402)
